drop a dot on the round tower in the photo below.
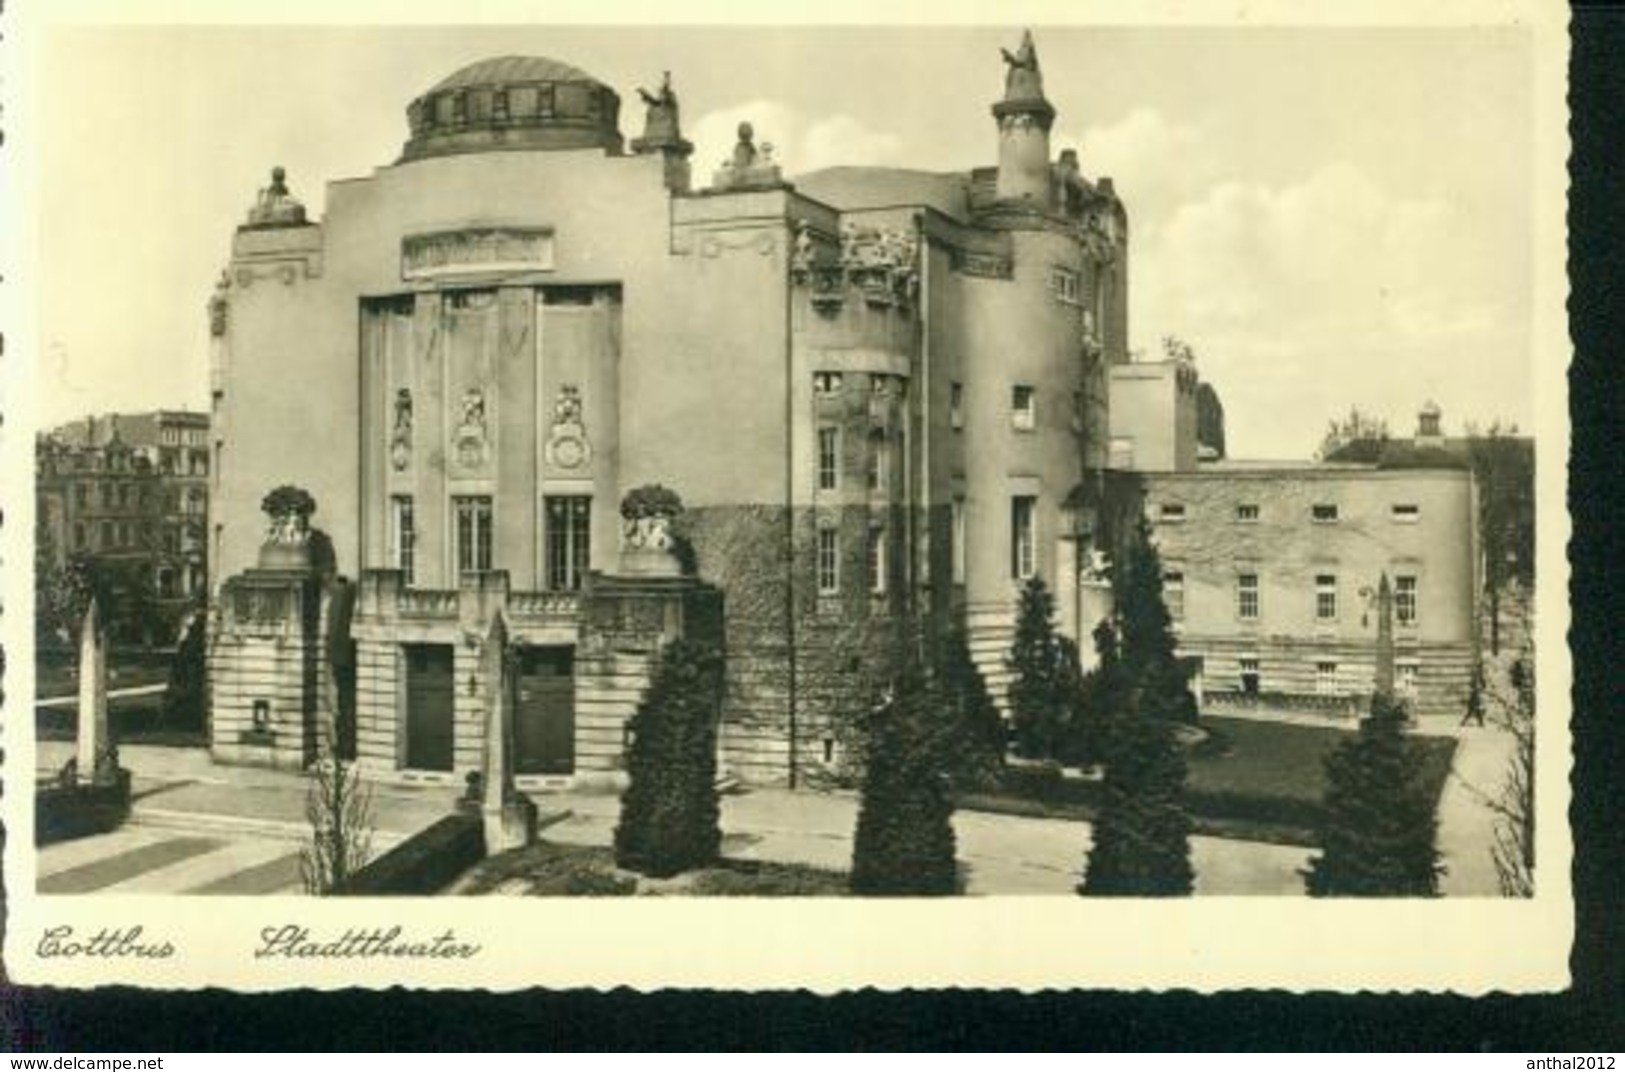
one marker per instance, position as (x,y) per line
(1025,118)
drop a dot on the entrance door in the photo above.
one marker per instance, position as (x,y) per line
(544,722)
(430,686)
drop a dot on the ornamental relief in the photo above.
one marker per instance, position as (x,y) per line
(400,436)
(567,443)
(471,440)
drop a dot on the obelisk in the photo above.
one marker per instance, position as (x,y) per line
(95,755)
(508,815)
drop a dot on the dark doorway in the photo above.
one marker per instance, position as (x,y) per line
(544,710)
(430,688)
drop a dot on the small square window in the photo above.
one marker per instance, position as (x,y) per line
(827,383)
(1323,512)
(1405,675)
(1247,512)
(1325,678)
(1023,407)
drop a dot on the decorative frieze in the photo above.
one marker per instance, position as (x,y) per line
(476,249)
(879,264)
(982,265)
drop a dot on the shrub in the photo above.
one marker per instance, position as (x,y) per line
(1377,834)
(1039,698)
(651,500)
(670,818)
(1141,842)
(904,842)
(186,695)
(974,731)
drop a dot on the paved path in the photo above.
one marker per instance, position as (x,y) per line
(113,694)
(1466,822)
(198,828)
(1000,853)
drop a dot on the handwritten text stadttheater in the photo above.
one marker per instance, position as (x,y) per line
(290,940)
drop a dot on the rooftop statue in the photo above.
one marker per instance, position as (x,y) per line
(660,123)
(1022,80)
(275,206)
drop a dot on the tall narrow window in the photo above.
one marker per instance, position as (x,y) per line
(78,536)
(569,540)
(1023,407)
(956,405)
(473,513)
(879,471)
(1325,597)
(1023,537)
(1173,593)
(877,560)
(1247,596)
(402,536)
(829,458)
(1325,678)
(829,562)
(956,539)
(1405,599)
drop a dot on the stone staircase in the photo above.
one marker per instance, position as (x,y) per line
(989,633)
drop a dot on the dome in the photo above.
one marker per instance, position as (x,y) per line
(513,102)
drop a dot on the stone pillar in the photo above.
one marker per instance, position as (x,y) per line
(270,663)
(97,761)
(509,817)
(625,622)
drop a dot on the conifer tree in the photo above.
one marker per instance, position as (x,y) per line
(670,816)
(1377,836)
(1141,845)
(904,841)
(974,731)
(1100,698)
(1039,701)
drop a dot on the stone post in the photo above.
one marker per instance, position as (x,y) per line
(1385,638)
(509,816)
(95,761)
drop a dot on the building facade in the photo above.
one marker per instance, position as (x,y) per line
(1271,570)
(877,392)
(130,492)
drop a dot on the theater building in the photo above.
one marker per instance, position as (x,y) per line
(876,392)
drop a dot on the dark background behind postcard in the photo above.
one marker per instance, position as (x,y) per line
(1591,1016)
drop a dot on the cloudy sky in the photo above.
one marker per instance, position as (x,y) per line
(1330,217)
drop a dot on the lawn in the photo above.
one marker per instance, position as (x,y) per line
(57,673)
(1253,780)
(547,869)
(1272,772)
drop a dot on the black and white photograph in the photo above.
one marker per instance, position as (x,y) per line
(815,486)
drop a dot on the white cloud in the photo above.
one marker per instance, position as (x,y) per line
(1155,163)
(1292,295)
(800,144)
